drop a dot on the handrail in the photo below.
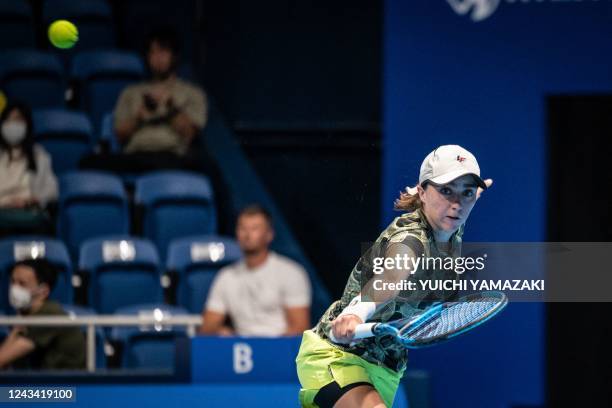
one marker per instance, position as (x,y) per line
(190,321)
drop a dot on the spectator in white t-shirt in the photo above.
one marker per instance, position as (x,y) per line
(264,294)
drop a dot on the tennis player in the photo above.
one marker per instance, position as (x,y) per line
(366,373)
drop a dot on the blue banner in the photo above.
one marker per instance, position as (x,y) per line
(244,359)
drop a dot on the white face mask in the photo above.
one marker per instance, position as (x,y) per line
(19,297)
(14,131)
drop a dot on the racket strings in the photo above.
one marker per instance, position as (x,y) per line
(451,318)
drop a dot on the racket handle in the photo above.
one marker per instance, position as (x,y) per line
(362,331)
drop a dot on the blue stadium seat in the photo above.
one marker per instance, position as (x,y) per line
(90,204)
(196,260)
(175,204)
(93,18)
(107,133)
(16,25)
(80,311)
(149,347)
(27,247)
(67,136)
(101,76)
(121,271)
(34,77)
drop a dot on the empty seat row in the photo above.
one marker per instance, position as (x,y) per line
(168,204)
(121,271)
(69,135)
(38,78)
(66,135)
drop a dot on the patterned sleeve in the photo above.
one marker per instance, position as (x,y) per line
(389,261)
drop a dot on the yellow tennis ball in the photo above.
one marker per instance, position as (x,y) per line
(63,34)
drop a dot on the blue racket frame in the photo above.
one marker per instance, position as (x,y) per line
(413,324)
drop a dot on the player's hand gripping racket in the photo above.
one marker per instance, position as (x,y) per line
(438,323)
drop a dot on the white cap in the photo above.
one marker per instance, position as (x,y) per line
(448,162)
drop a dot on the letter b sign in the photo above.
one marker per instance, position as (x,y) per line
(243,358)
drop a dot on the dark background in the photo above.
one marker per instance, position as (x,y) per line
(580,209)
(300,83)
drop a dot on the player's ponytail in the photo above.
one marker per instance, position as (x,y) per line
(407,202)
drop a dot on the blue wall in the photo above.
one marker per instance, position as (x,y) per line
(483,85)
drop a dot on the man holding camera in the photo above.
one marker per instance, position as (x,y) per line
(162,114)
(157,120)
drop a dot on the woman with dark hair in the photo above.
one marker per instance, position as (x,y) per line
(27,182)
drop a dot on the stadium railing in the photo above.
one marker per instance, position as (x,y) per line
(157,322)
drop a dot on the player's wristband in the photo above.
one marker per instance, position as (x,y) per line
(364,310)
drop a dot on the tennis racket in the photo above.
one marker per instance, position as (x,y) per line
(439,322)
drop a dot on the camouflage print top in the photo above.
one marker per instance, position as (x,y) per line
(412,230)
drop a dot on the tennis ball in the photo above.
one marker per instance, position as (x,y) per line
(63,34)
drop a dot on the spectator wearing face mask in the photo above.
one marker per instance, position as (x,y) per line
(39,347)
(27,182)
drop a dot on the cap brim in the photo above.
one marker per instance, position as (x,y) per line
(453,175)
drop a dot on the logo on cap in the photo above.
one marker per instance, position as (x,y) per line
(460,159)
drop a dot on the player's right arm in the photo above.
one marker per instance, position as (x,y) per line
(369,299)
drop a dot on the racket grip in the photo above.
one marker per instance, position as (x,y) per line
(362,331)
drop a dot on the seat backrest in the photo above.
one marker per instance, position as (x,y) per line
(28,247)
(107,133)
(151,351)
(34,77)
(90,204)
(102,76)
(93,19)
(66,135)
(122,271)
(149,346)
(175,204)
(16,25)
(196,260)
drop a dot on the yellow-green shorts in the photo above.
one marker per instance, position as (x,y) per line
(320,363)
